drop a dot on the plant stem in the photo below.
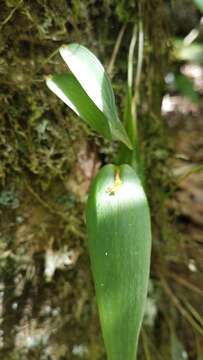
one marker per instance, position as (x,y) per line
(115,50)
(124,154)
(135,99)
(132,157)
(128,121)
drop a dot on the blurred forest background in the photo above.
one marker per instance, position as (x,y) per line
(48,158)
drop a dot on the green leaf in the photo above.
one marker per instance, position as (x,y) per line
(119,239)
(199,4)
(69,90)
(92,77)
(192,52)
(186,87)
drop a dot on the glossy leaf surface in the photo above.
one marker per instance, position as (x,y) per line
(93,79)
(69,90)
(119,239)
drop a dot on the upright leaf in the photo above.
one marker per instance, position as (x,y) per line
(92,77)
(69,90)
(119,239)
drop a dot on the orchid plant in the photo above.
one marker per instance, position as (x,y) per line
(117,212)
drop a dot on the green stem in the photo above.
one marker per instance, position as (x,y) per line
(139,63)
(130,115)
(115,51)
(128,121)
(135,99)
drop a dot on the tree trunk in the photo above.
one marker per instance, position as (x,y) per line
(48,158)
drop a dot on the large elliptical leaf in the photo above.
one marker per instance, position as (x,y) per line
(119,240)
(92,77)
(69,90)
